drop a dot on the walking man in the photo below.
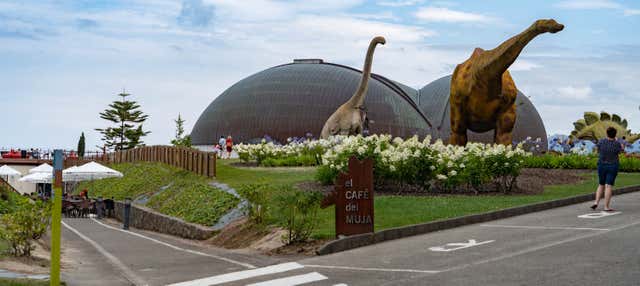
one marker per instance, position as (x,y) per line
(608,148)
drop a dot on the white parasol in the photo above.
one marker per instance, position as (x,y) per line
(37,177)
(9,172)
(44,168)
(90,171)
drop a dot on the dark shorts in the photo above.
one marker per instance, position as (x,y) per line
(607,173)
(229,149)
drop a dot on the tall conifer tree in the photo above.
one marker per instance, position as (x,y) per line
(81,146)
(127,120)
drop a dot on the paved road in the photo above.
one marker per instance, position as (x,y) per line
(555,247)
(111,256)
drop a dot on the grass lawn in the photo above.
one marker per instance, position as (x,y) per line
(395,211)
(171,191)
(237,176)
(25,282)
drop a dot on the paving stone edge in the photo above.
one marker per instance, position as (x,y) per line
(355,241)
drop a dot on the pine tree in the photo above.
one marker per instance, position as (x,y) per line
(81,146)
(181,139)
(128,119)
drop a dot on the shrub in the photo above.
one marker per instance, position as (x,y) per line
(28,222)
(326,175)
(258,198)
(297,212)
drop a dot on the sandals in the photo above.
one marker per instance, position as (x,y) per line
(610,210)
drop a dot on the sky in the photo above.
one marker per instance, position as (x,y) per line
(63,62)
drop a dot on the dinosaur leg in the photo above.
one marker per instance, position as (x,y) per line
(458,127)
(504,126)
(507,119)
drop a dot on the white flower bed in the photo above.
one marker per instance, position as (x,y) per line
(412,161)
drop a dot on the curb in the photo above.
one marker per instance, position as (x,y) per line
(355,241)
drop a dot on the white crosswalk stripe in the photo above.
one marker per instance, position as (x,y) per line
(293,280)
(258,272)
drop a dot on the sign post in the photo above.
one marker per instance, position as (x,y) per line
(56,212)
(354,198)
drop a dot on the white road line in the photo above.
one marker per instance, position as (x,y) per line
(128,273)
(541,247)
(293,280)
(543,227)
(373,269)
(247,265)
(240,275)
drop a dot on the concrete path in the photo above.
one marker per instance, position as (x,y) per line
(565,246)
(112,256)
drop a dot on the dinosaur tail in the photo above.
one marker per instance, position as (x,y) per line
(358,99)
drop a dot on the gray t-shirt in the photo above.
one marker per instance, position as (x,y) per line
(608,151)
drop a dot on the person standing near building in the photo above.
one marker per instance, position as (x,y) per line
(229,144)
(222,142)
(608,148)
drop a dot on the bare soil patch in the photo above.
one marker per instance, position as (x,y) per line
(295,250)
(239,234)
(38,263)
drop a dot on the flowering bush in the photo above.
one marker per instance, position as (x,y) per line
(304,152)
(427,164)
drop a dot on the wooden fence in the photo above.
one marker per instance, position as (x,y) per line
(10,187)
(201,163)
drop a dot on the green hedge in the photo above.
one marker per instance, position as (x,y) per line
(574,161)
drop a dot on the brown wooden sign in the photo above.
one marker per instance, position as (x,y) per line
(354,198)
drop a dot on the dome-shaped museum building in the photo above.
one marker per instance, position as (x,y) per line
(294,99)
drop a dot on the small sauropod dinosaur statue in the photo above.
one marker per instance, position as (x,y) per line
(482,91)
(349,117)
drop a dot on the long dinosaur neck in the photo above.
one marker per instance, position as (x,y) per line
(357,100)
(495,62)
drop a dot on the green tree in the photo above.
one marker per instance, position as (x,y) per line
(127,119)
(81,146)
(181,139)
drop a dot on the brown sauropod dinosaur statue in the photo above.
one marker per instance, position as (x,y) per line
(482,91)
(349,117)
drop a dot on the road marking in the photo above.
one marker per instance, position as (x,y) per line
(247,265)
(371,269)
(458,245)
(293,280)
(128,273)
(541,247)
(598,215)
(235,276)
(543,227)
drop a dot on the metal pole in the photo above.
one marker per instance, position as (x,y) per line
(56,213)
(127,213)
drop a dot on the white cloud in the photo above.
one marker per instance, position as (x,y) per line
(573,92)
(631,12)
(587,4)
(399,3)
(440,14)
(523,65)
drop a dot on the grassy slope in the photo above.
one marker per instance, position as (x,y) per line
(188,196)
